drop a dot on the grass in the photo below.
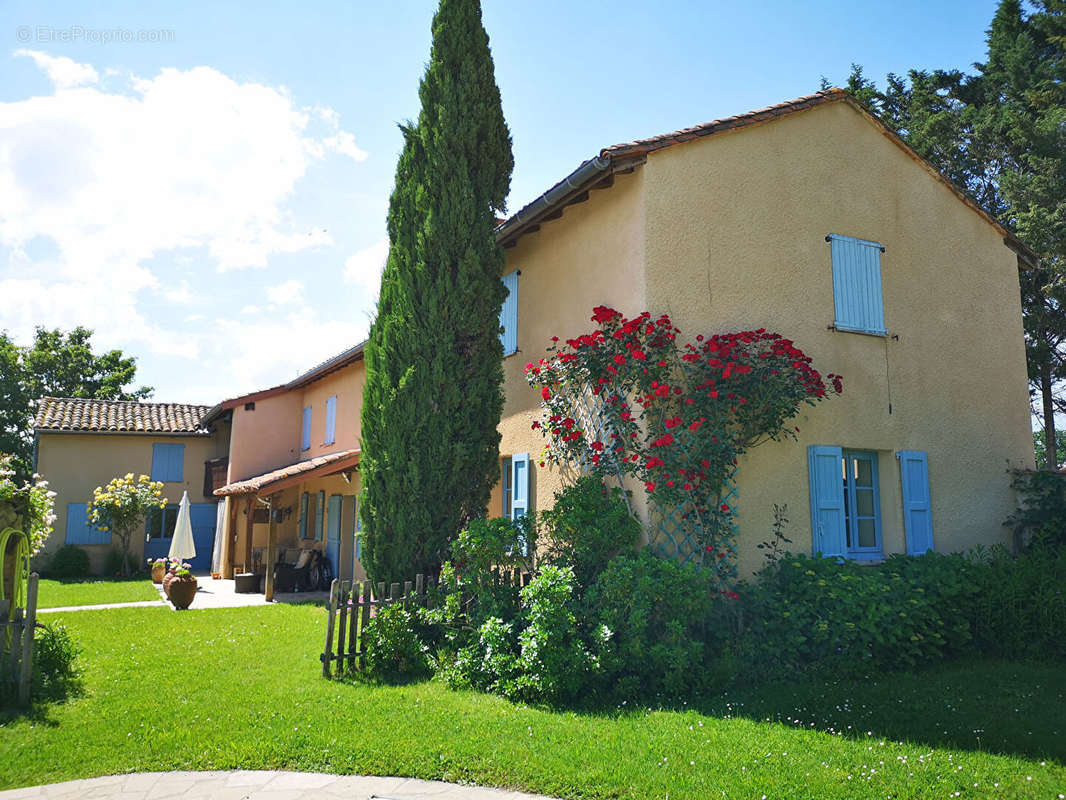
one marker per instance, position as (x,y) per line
(239,689)
(94,591)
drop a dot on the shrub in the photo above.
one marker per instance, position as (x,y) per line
(554,664)
(659,614)
(821,615)
(69,561)
(489,663)
(481,552)
(1018,607)
(587,527)
(113,563)
(394,649)
(1041,513)
(56,666)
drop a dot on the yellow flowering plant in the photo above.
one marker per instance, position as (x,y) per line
(122,505)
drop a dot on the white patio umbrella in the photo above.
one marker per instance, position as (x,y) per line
(182,546)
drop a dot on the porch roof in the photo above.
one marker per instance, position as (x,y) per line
(278,479)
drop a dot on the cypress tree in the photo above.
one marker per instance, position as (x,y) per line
(433,394)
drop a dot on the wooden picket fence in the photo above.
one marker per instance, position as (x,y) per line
(16,644)
(351,605)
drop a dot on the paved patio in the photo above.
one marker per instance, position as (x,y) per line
(212,593)
(260,785)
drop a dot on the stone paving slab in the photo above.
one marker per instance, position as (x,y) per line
(260,785)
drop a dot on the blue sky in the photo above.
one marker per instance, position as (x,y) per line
(212,199)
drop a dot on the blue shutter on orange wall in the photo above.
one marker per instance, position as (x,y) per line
(509,314)
(305,438)
(304,501)
(917,505)
(168,462)
(320,510)
(79,531)
(331,420)
(857,297)
(827,500)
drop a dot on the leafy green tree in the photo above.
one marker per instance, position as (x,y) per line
(56,364)
(433,395)
(1001,135)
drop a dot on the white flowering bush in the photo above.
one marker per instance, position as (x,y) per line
(27,506)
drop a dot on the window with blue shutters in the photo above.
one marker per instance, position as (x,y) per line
(79,531)
(168,462)
(331,420)
(305,436)
(857,299)
(509,314)
(845,502)
(305,500)
(917,503)
(505,485)
(520,489)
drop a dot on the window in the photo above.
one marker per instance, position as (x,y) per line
(515,485)
(857,299)
(79,531)
(845,502)
(331,420)
(168,462)
(161,522)
(505,483)
(509,314)
(305,438)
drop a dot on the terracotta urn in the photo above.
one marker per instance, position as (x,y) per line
(182,592)
(159,569)
(167,580)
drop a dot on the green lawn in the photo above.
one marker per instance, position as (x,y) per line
(239,688)
(89,592)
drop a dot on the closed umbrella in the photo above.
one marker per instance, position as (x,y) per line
(182,546)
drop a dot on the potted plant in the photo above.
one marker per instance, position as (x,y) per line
(171,567)
(182,588)
(158,566)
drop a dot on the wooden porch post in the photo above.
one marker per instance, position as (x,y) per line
(229,544)
(272,540)
(249,508)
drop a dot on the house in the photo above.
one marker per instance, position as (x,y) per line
(82,444)
(812,219)
(291,480)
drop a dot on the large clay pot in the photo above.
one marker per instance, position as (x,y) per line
(158,571)
(167,580)
(182,592)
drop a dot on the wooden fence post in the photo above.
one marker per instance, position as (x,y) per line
(328,654)
(26,676)
(342,626)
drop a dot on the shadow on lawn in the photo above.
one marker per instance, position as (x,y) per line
(990,706)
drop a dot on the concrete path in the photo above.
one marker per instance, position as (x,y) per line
(249,785)
(132,604)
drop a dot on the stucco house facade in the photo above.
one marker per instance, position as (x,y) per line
(812,219)
(82,444)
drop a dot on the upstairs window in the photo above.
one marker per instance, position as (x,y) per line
(509,315)
(168,462)
(305,437)
(857,299)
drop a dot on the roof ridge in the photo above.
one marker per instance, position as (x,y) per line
(130,402)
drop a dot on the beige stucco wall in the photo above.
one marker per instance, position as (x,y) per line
(75,464)
(593,255)
(728,233)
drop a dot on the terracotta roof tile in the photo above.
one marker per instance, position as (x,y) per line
(117,416)
(253,485)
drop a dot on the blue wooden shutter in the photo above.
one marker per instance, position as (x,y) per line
(320,510)
(331,420)
(917,508)
(857,284)
(509,314)
(168,462)
(304,501)
(305,439)
(79,531)
(827,500)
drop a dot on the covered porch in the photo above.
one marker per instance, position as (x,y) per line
(281,524)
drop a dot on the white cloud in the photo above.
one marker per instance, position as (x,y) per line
(286,294)
(142,172)
(62,71)
(363,267)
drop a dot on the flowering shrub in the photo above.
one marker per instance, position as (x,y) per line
(122,505)
(394,649)
(25,505)
(628,400)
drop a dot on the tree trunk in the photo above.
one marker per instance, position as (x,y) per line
(1050,445)
(125,571)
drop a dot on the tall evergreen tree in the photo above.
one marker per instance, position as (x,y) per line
(1001,135)
(433,395)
